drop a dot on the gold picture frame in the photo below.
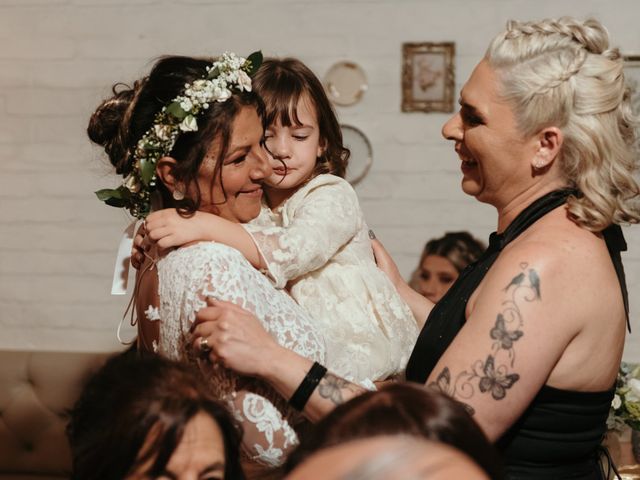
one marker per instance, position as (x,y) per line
(428,76)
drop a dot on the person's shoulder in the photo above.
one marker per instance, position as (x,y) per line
(328,180)
(325,185)
(565,259)
(559,243)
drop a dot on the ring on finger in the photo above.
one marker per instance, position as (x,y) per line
(204,345)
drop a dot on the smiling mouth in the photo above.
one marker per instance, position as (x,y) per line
(467,161)
(281,170)
(256,192)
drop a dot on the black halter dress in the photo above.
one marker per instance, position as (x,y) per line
(559,435)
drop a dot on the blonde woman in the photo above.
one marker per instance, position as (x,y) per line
(531,337)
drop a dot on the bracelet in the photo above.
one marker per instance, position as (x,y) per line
(311,380)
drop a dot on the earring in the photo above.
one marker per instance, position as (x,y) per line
(178,194)
(539,165)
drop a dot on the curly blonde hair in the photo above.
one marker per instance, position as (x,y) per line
(561,72)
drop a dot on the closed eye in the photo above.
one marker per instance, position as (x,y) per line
(237,160)
(470,116)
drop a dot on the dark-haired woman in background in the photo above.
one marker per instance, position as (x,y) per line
(441,262)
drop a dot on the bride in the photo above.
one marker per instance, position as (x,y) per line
(189,135)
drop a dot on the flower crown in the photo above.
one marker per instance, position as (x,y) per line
(225,74)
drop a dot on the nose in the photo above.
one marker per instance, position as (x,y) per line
(278,146)
(452,129)
(261,167)
(431,290)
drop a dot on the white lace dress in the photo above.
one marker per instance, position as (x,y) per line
(317,246)
(187,276)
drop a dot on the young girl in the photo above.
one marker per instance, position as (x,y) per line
(311,237)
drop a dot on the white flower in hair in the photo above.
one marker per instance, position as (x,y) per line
(221,94)
(186,104)
(244,81)
(163,132)
(189,124)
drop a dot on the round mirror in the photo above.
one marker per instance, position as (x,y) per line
(361,153)
(345,83)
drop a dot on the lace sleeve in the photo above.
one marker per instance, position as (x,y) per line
(267,436)
(325,219)
(187,277)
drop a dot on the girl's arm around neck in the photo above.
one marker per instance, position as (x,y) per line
(170,229)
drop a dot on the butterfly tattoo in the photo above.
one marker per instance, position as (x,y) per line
(495,380)
(443,384)
(501,335)
(331,387)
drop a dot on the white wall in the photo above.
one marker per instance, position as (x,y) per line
(58,58)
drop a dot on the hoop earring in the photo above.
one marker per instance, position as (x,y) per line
(178,194)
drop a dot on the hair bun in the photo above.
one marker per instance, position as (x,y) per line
(593,35)
(108,124)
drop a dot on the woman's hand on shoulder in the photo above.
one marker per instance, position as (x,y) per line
(419,305)
(235,338)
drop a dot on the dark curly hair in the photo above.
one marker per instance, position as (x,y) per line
(120,121)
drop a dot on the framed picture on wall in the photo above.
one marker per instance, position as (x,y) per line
(428,77)
(632,76)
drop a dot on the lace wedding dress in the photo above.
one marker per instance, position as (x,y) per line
(187,276)
(316,244)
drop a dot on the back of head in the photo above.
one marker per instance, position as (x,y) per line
(562,72)
(389,457)
(460,248)
(121,121)
(282,83)
(401,409)
(132,400)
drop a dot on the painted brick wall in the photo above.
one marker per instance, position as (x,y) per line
(58,58)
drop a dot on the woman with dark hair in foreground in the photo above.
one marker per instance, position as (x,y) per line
(149,417)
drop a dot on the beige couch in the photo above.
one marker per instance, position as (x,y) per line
(36,390)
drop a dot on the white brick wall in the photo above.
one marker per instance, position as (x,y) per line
(58,58)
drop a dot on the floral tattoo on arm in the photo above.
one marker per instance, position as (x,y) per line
(495,375)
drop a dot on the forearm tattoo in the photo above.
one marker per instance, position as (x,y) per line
(333,389)
(495,374)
